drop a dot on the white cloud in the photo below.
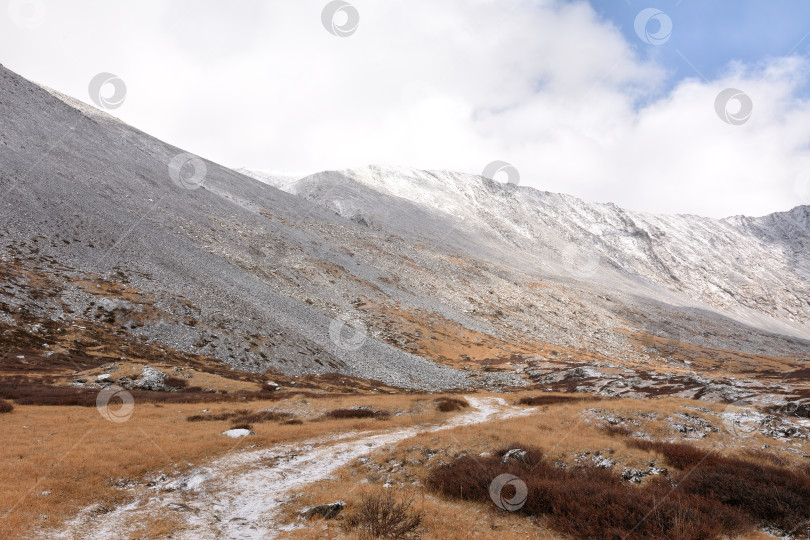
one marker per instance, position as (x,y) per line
(455,84)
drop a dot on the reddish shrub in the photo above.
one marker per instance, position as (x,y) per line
(617,431)
(772,458)
(263,416)
(588,502)
(5,406)
(29,391)
(176,382)
(682,456)
(213,417)
(356,413)
(243,416)
(449,404)
(553,400)
(709,497)
(771,494)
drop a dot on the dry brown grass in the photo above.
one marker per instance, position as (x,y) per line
(381,514)
(438,338)
(59,459)
(714,361)
(717,496)
(109,288)
(192,377)
(441,519)
(56,460)
(590,502)
(564,430)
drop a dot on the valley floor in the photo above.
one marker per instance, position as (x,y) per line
(169,471)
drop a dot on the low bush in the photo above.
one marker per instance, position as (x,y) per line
(381,515)
(176,382)
(263,416)
(553,400)
(680,455)
(775,495)
(617,431)
(589,502)
(764,455)
(356,413)
(5,406)
(244,416)
(210,417)
(449,404)
(29,391)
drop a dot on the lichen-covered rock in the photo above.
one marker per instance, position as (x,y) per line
(151,379)
(325,511)
(515,454)
(105,379)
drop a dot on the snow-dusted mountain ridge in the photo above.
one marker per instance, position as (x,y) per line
(427,280)
(755,269)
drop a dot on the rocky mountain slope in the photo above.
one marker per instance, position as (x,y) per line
(754,269)
(418,279)
(94,229)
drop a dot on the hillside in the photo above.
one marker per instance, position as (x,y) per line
(386,334)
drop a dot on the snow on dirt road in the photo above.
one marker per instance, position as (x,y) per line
(240,495)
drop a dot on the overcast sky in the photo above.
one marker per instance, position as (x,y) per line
(600,100)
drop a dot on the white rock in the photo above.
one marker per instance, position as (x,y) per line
(236,433)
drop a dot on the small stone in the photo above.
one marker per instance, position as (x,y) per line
(325,511)
(515,454)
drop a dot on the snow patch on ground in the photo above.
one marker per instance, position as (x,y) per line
(236,496)
(236,433)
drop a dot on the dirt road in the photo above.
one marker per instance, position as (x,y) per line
(239,495)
